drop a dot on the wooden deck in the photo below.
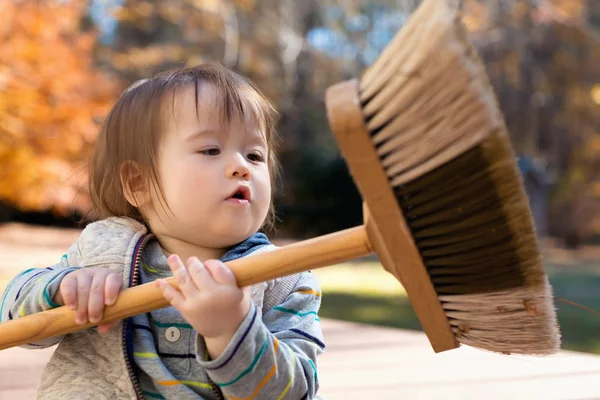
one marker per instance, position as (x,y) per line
(361,361)
(366,362)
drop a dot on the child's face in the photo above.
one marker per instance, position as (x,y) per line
(215,178)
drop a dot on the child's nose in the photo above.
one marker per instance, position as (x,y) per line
(238,168)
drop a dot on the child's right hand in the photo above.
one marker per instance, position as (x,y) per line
(88,291)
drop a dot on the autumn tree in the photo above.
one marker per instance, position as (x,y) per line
(52,98)
(542,60)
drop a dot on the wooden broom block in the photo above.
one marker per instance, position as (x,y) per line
(389,233)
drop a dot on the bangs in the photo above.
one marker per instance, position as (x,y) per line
(237,99)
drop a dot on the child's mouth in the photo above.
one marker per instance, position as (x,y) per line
(242,195)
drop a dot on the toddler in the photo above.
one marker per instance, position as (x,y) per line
(182,176)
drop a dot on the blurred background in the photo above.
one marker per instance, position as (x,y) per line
(64,62)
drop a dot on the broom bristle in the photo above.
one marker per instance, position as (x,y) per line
(441,139)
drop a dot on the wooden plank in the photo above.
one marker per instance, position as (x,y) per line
(363,361)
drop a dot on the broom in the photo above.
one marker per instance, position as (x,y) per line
(422,130)
(444,205)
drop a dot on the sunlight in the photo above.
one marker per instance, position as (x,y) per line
(596,93)
(361,278)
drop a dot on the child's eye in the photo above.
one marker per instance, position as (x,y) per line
(256,157)
(215,151)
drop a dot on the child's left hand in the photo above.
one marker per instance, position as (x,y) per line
(208,298)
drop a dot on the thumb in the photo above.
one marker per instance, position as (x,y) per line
(220,272)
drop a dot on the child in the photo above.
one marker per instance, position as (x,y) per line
(182,170)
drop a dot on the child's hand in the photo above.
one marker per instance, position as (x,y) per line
(208,298)
(87,291)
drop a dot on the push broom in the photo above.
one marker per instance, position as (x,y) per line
(445,209)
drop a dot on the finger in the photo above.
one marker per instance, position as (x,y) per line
(112,287)
(186,286)
(181,274)
(68,290)
(105,328)
(200,275)
(84,281)
(221,273)
(96,297)
(172,295)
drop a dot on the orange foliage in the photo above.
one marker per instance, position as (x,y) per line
(51,99)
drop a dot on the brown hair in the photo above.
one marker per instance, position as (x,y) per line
(132,130)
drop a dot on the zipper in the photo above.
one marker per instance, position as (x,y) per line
(134,280)
(215,389)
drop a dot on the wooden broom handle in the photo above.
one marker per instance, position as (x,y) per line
(301,256)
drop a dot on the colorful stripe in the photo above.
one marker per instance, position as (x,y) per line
(294,312)
(250,368)
(48,300)
(6,293)
(45,292)
(22,311)
(148,269)
(237,346)
(171,324)
(311,337)
(142,327)
(159,354)
(309,291)
(314,369)
(153,395)
(168,324)
(145,355)
(266,379)
(293,368)
(187,383)
(22,308)
(173,355)
(27,281)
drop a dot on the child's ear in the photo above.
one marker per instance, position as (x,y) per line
(134,185)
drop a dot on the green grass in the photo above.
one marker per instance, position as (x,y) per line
(364,292)
(580,329)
